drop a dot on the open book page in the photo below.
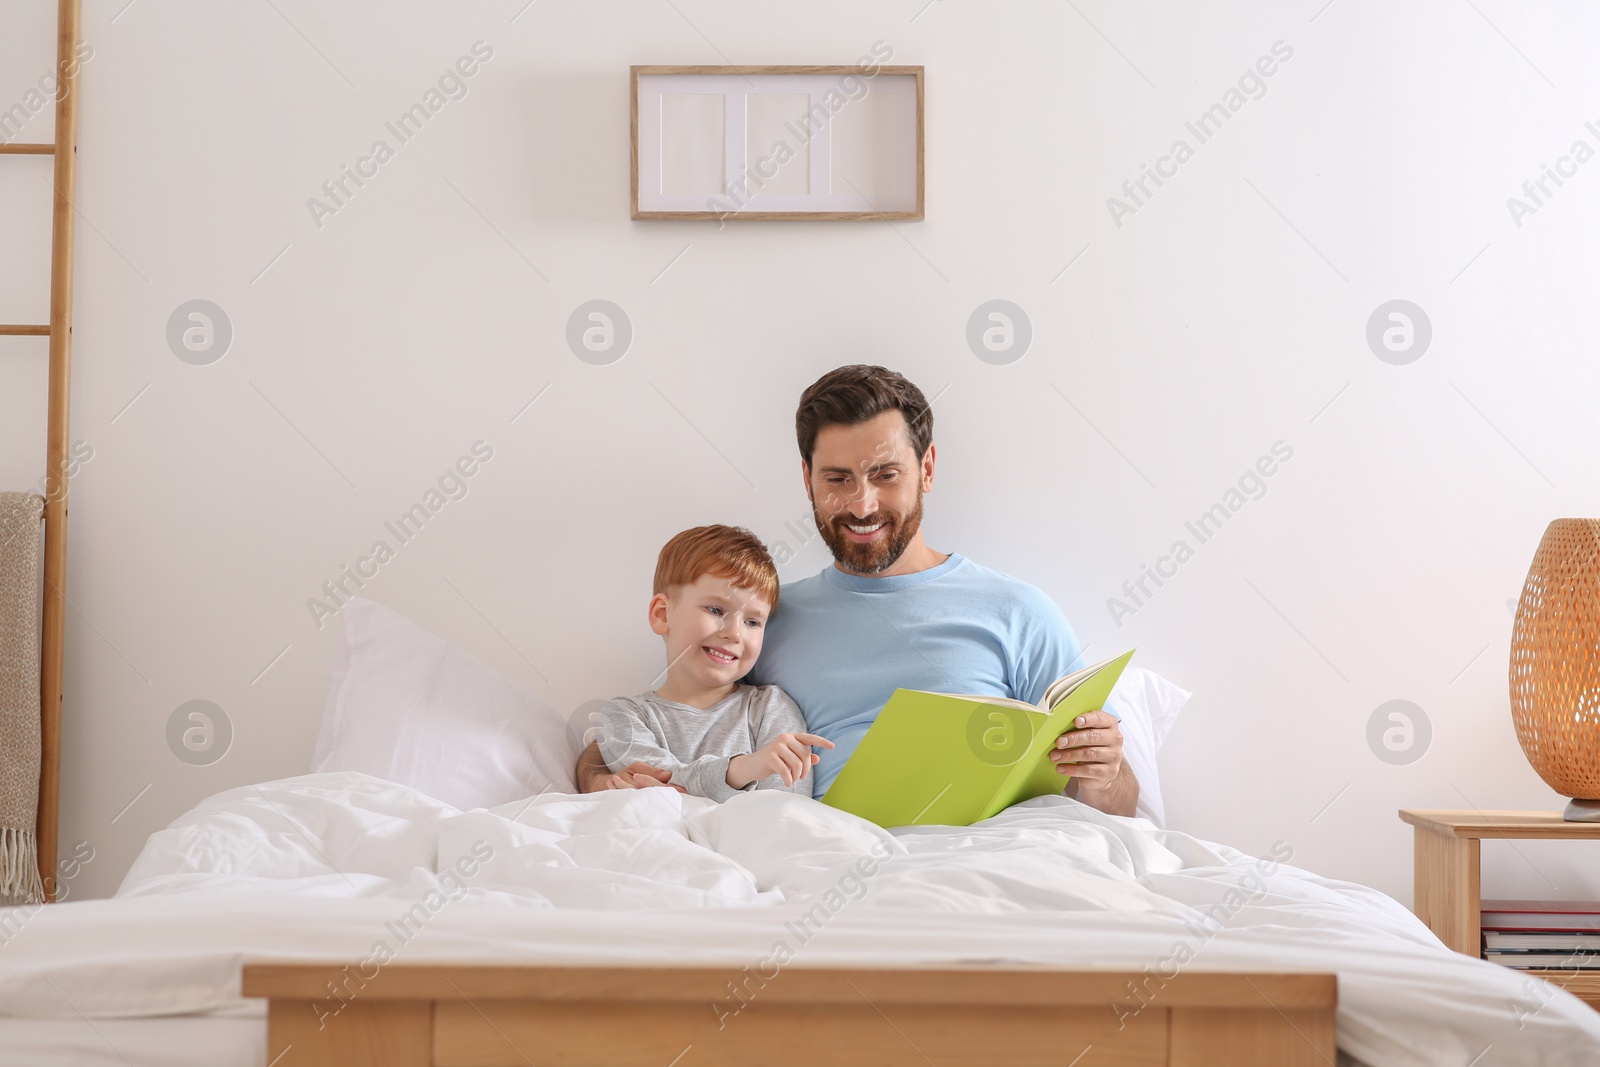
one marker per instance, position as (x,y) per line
(1061,688)
(999,702)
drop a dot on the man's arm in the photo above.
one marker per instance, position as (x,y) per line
(591,772)
(1046,649)
(1092,754)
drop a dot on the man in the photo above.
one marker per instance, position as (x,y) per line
(894,612)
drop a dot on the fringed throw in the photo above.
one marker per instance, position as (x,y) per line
(20,537)
(19,867)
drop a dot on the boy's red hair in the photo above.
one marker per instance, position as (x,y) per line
(730,552)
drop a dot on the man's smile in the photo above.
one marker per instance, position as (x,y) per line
(864,532)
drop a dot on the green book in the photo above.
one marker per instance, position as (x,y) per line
(953,760)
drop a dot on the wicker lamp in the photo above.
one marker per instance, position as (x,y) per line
(1555,665)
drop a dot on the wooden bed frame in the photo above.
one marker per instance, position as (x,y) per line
(479,1015)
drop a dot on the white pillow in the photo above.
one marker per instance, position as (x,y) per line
(1148,705)
(409,707)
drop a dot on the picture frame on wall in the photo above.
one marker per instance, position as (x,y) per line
(771,143)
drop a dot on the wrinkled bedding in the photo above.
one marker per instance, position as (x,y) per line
(348,866)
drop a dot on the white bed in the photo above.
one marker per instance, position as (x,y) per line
(163,1041)
(328,866)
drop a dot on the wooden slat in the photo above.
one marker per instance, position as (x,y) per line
(922,145)
(57,432)
(391,1033)
(1518,825)
(27,149)
(1445,887)
(777,216)
(606,1034)
(802,68)
(1585,985)
(1039,987)
(24,331)
(633,142)
(1227,1037)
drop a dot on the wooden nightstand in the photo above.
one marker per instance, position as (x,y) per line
(1446,886)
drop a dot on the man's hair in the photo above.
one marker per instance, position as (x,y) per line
(851,395)
(730,552)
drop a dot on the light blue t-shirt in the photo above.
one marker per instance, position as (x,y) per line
(840,645)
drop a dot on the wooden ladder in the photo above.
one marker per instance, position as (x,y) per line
(59,331)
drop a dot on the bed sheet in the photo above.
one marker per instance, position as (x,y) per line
(348,867)
(222,1040)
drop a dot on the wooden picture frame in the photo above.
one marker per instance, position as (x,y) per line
(840,142)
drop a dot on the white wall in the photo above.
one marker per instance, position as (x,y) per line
(1226,314)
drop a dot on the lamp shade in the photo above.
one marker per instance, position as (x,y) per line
(1555,659)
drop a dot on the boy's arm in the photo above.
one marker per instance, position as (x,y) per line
(774,715)
(624,738)
(706,777)
(771,713)
(626,741)
(592,775)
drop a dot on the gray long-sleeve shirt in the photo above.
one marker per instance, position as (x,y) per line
(696,744)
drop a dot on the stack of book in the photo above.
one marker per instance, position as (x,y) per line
(1542,934)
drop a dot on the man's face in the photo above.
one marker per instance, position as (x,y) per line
(866,484)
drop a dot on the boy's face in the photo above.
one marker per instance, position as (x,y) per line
(713,630)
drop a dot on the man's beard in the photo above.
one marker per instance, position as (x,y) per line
(876,556)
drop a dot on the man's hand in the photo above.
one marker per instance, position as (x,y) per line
(1092,754)
(788,755)
(593,775)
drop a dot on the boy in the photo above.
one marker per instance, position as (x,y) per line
(714,588)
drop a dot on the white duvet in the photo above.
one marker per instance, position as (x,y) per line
(345,866)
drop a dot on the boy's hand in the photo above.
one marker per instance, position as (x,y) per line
(641,776)
(592,774)
(789,756)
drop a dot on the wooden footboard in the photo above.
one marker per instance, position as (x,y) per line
(466,1015)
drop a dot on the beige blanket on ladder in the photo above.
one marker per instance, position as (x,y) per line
(20,537)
